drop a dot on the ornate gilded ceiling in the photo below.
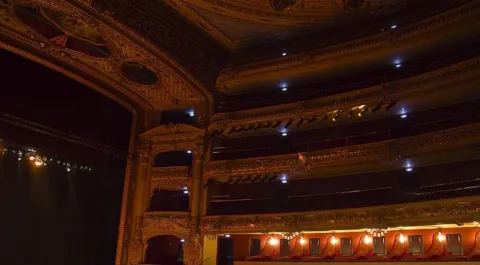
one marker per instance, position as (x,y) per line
(235,23)
(71,39)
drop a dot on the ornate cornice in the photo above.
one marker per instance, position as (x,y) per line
(396,91)
(169,178)
(311,161)
(323,56)
(174,137)
(424,213)
(165,223)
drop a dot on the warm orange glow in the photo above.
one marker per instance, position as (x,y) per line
(334,240)
(440,237)
(302,241)
(367,239)
(273,241)
(38,162)
(402,238)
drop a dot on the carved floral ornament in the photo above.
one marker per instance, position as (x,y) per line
(459,136)
(432,212)
(77,39)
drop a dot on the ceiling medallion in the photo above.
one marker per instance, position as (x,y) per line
(280,5)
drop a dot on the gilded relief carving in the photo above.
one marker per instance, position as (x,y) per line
(459,136)
(393,215)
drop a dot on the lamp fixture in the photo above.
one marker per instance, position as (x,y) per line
(440,237)
(302,241)
(333,240)
(367,239)
(401,238)
(273,241)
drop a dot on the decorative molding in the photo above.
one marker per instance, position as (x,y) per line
(311,161)
(172,137)
(105,71)
(398,91)
(170,178)
(321,56)
(429,212)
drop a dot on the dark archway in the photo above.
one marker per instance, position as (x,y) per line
(164,250)
(169,200)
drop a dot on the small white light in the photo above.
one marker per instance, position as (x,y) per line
(182,240)
(185,192)
(393,27)
(284,88)
(284,54)
(284,181)
(398,65)
(68,169)
(402,238)
(189,151)
(19,158)
(284,134)
(403,116)
(409,169)
(227,235)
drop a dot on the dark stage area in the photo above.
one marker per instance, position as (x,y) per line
(67,211)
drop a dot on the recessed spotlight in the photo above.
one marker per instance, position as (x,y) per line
(409,169)
(189,151)
(284,88)
(68,169)
(182,240)
(393,27)
(19,158)
(185,192)
(191,113)
(403,116)
(284,54)
(284,134)
(398,65)
(284,181)
(227,235)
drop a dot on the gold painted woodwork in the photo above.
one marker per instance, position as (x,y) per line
(320,160)
(444,86)
(348,263)
(178,88)
(445,28)
(421,213)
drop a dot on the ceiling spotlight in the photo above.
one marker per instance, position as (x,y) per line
(19,158)
(284,181)
(284,54)
(38,162)
(403,116)
(227,235)
(182,240)
(393,27)
(68,169)
(398,65)
(409,169)
(189,151)
(284,134)
(284,88)
(185,192)
(31,157)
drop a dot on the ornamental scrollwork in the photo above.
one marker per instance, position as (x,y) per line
(165,223)
(407,214)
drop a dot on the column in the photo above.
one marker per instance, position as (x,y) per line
(197,188)
(135,245)
(210,245)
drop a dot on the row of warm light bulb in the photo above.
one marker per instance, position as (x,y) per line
(366,239)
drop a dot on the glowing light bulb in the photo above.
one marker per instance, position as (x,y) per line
(402,238)
(333,240)
(227,235)
(367,239)
(273,241)
(182,240)
(302,241)
(440,237)
(38,162)
(31,157)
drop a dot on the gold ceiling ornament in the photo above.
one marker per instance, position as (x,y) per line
(289,235)
(378,232)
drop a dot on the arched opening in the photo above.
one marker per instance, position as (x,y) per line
(174,159)
(183,116)
(164,250)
